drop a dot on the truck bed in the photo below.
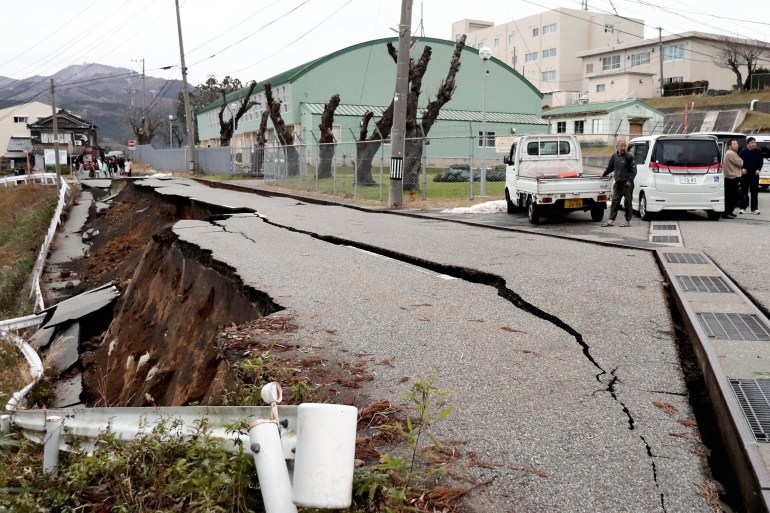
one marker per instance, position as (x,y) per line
(581,185)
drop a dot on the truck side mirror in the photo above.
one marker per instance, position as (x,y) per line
(505,159)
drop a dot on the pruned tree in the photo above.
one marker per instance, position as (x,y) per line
(259,151)
(750,53)
(729,56)
(367,147)
(145,127)
(229,126)
(284,134)
(205,94)
(326,143)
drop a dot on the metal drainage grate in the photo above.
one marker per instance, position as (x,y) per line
(754,398)
(684,258)
(661,227)
(665,238)
(733,326)
(703,284)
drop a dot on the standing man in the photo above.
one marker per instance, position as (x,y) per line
(752,164)
(733,165)
(624,166)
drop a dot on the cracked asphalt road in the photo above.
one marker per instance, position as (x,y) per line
(553,351)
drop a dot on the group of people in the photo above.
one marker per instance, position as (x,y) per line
(742,169)
(96,168)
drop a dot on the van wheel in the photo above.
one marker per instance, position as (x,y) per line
(510,207)
(533,212)
(643,213)
(714,216)
(597,214)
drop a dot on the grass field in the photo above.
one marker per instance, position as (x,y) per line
(25,214)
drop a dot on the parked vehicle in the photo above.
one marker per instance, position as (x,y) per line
(724,137)
(544,174)
(678,172)
(763,143)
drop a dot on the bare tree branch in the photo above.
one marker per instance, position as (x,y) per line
(445,90)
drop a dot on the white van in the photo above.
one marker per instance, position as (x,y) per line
(763,143)
(678,172)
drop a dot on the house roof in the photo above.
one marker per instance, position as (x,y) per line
(444,115)
(20,144)
(665,39)
(65,120)
(596,108)
(296,72)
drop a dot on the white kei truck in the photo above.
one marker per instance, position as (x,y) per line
(544,174)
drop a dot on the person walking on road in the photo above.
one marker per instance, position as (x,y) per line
(752,165)
(623,165)
(733,166)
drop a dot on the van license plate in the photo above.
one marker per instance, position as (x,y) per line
(764,181)
(574,203)
(688,179)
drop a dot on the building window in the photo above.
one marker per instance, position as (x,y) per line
(609,28)
(600,88)
(510,39)
(548,75)
(589,68)
(490,139)
(638,59)
(673,53)
(609,63)
(596,126)
(531,56)
(549,29)
(21,119)
(535,32)
(579,127)
(672,80)
(561,127)
(497,42)
(550,52)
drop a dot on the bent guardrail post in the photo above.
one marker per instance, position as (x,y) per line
(272,472)
(53,428)
(5,424)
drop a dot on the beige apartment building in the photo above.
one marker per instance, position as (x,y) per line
(632,70)
(14,121)
(543,47)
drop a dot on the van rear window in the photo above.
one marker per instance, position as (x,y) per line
(686,152)
(548,148)
(765,148)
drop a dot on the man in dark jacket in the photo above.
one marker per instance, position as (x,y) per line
(752,164)
(623,165)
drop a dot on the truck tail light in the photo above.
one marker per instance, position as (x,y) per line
(601,197)
(546,200)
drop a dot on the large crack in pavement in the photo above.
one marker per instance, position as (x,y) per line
(499,284)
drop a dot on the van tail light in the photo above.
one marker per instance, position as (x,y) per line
(716,168)
(654,167)
(601,197)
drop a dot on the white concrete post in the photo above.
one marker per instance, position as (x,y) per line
(53,426)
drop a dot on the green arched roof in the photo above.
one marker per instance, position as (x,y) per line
(296,72)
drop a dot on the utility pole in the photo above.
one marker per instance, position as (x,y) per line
(55,136)
(398,148)
(660,57)
(144,102)
(186,93)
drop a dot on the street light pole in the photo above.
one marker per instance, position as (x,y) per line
(170,131)
(484,53)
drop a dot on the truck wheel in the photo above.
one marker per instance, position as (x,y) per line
(714,216)
(511,208)
(533,212)
(597,214)
(643,213)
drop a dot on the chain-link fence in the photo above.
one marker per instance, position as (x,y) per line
(361,170)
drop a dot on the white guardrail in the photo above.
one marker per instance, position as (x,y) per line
(37,271)
(33,359)
(11,181)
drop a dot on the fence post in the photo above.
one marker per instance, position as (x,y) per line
(470,170)
(334,174)
(424,169)
(53,426)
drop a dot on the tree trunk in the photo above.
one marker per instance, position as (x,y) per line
(326,144)
(367,148)
(259,153)
(412,160)
(227,128)
(285,136)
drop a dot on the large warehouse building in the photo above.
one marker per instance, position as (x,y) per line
(364,77)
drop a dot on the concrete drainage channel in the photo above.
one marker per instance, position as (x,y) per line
(729,335)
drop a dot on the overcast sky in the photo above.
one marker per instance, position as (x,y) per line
(256,39)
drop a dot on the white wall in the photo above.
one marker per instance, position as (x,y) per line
(8,128)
